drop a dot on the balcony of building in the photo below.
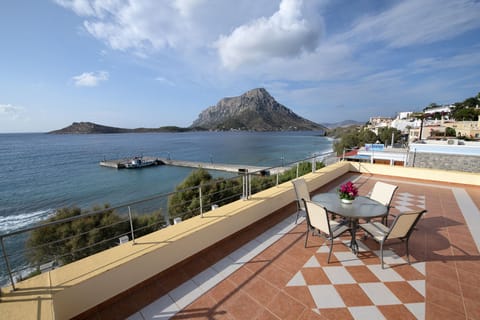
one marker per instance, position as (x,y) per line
(248,260)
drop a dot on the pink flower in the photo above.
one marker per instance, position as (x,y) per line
(348,191)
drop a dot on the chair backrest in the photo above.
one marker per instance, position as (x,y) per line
(317,216)
(301,191)
(403,225)
(383,192)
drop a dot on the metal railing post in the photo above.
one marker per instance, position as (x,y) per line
(298,168)
(201,201)
(249,186)
(131,224)
(277,178)
(9,270)
(314,164)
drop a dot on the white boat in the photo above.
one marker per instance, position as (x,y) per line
(139,162)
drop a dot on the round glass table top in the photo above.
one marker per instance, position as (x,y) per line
(361,207)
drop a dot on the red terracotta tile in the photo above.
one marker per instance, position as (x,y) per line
(285,307)
(352,295)
(322,259)
(336,314)
(473,308)
(241,306)
(302,295)
(444,298)
(362,274)
(260,290)
(241,276)
(223,291)
(309,314)
(469,278)
(408,272)
(450,285)
(405,292)
(396,312)
(315,276)
(266,315)
(275,276)
(434,311)
(470,292)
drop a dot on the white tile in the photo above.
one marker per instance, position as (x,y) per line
(420,266)
(226,266)
(385,275)
(163,308)
(348,258)
(297,280)
(323,249)
(379,293)
(403,208)
(312,263)
(418,309)
(325,296)
(390,257)
(185,294)
(136,316)
(366,313)
(241,255)
(338,275)
(362,247)
(207,279)
(419,285)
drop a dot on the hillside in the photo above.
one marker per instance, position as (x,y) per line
(255,110)
(93,128)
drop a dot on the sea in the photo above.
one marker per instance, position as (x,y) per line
(42,172)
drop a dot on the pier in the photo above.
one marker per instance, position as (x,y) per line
(234,168)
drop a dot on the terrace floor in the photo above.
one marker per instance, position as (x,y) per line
(271,275)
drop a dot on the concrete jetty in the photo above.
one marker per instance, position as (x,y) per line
(235,168)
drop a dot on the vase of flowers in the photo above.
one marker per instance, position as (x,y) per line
(347,192)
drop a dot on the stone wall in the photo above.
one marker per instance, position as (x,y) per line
(444,161)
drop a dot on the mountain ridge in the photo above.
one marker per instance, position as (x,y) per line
(255,110)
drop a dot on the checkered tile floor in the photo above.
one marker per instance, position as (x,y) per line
(359,285)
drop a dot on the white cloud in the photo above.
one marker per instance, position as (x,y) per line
(164,80)
(10,111)
(417,22)
(90,79)
(285,34)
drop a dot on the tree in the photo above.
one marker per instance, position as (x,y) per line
(73,240)
(385,135)
(450,132)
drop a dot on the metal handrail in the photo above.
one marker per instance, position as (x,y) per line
(245,195)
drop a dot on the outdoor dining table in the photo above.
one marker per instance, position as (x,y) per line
(360,208)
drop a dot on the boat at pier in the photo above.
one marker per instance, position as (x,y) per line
(139,162)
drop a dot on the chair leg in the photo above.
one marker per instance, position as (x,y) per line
(330,252)
(306,238)
(381,253)
(408,255)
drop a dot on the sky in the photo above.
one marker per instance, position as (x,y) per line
(152,63)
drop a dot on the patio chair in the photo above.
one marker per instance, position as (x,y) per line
(383,192)
(317,220)
(401,228)
(301,192)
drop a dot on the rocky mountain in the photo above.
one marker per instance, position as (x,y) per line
(255,110)
(92,128)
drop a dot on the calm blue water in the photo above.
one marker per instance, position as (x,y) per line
(41,172)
